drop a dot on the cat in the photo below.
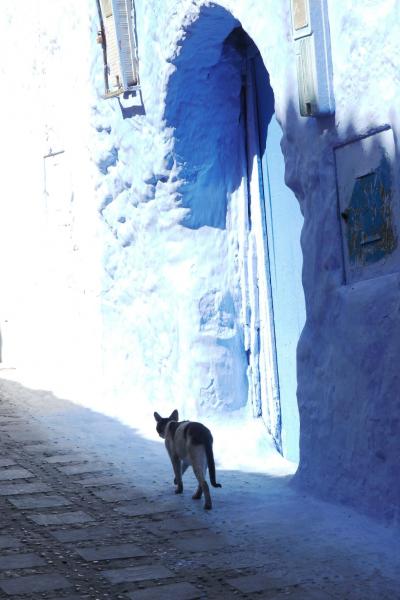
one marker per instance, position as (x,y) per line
(189,443)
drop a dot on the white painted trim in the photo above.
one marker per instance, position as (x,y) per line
(264,383)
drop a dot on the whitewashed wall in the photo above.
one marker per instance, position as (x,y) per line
(160,275)
(182,306)
(49,262)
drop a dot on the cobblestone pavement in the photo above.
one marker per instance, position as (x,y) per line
(88,511)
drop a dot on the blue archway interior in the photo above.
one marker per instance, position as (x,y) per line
(204,107)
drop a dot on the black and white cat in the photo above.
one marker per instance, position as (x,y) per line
(189,443)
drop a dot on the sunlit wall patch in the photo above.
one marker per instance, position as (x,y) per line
(368,194)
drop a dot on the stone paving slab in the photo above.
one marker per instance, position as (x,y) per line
(9,474)
(174,591)
(101,481)
(139,573)
(23,488)
(40,448)
(84,533)
(8,541)
(171,525)
(73,597)
(21,561)
(24,436)
(307,593)
(67,458)
(205,543)
(6,462)
(68,518)
(34,583)
(146,508)
(6,425)
(260,582)
(111,552)
(234,560)
(81,469)
(39,501)
(118,495)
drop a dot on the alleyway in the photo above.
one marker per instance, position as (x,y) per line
(88,511)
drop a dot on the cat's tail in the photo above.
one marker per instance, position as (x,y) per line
(211,463)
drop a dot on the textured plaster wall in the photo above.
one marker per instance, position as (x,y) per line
(347,357)
(173,202)
(172,296)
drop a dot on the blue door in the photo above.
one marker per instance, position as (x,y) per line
(283,261)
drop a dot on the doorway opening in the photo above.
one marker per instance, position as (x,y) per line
(275,223)
(221,107)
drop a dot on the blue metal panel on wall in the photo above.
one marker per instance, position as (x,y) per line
(283,226)
(368,195)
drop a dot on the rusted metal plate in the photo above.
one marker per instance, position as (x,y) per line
(369,207)
(370,229)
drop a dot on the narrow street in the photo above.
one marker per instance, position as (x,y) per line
(88,511)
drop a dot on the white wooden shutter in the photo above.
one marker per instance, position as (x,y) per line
(121,47)
(126,44)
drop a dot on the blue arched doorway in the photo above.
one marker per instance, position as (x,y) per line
(221,107)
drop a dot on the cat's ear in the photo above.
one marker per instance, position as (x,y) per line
(157,417)
(174,416)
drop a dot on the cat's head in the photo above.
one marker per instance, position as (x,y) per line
(162,422)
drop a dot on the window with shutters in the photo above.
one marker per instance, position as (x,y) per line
(119,46)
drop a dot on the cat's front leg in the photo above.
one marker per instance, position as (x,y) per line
(184,466)
(176,463)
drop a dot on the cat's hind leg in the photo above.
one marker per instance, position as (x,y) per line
(199,464)
(198,493)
